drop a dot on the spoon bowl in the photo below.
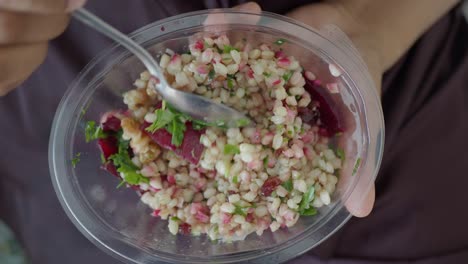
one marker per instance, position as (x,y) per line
(196,106)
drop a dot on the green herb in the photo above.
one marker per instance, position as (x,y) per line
(103,159)
(93,132)
(265,161)
(228,48)
(122,183)
(124,164)
(174,122)
(242,122)
(235,179)
(177,129)
(309,212)
(306,200)
(230,83)
(356,166)
(211,74)
(163,118)
(231,76)
(288,185)
(239,210)
(76,159)
(280,41)
(287,76)
(267,74)
(175,218)
(340,153)
(231,149)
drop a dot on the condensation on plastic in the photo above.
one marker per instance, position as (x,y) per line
(114,219)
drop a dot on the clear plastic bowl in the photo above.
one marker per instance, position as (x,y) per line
(117,222)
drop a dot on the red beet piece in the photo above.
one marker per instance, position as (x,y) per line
(328,115)
(270,185)
(111,124)
(191,148)
(108,146)
(110,167)
(185,229)
(249,218)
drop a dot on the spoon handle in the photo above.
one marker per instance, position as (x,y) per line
(99,25)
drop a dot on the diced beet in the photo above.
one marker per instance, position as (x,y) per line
(191,148)
(270,185)
(111,124)
(185,229)
(108,146)
(202,217)
(156,212)
(171,179)
(110,167)
(280,54)
(249,217)
(329,115)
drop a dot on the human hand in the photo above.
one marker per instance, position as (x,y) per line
(320,15)
(26,26)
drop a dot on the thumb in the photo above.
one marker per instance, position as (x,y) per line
(248,7)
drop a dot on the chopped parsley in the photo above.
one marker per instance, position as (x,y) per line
(211,74)
(173,121)
(93,132)
(124,165)
(231,76)
(230,83)
(239,210)
(231,149)
(175,218)
(356,166)
(306,200)
(235,179)
(287,76)
(242,122)
(280,41)
(309,212)
(228,48)
(288,185)
(265,161)
(267,74)
(76,159)
(340,153)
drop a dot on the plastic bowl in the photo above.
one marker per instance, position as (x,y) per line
(117,222)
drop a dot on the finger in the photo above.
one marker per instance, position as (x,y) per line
(28,28)
(222,19)
(18,62)
(249,7)
(41,6)
(360,207)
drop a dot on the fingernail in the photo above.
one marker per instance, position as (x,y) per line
(75,4)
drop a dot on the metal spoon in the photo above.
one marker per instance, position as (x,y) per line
(198,107)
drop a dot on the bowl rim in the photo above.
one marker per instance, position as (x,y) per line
(288,250)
